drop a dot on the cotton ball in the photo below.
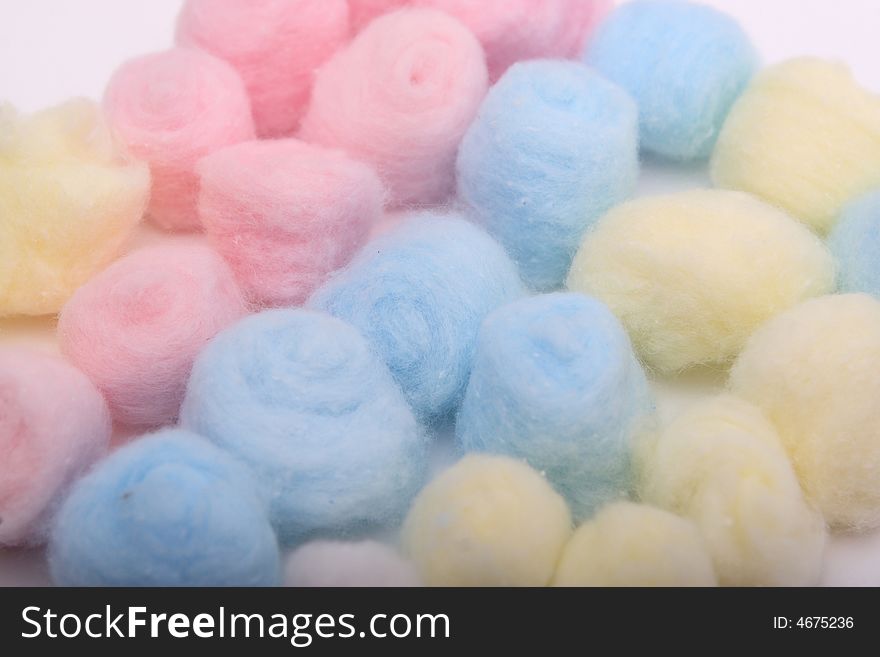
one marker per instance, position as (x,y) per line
(555,382)
(171,109)
(487,521)
(307,209)
(275,45)
(325,564)
(166,510)
(419,294)
(138,326)
(362,12)
(692,275)
(813,371)
(53,425)
(855,243)
(69,199)
(400,98)
(302,399)
(553,147)
(804,136)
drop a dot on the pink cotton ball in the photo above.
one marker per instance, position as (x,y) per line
(275,45)
(400,98)
(286,214)
(136,329)
(171,109)
(364,11)
(53,425)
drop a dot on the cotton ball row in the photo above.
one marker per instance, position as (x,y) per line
(325,564)
(805,137)
(69,199)
(855,243)
(555,382)
(692,275)
(554,147)
(137,327)
(285,214)
(487,521)
(400,97)
(53,425)
(171,109)
(166,510)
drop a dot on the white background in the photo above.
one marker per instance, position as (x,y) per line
(51,50)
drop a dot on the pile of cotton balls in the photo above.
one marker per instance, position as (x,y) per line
(409,223)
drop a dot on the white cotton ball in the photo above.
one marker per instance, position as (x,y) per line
(367,564)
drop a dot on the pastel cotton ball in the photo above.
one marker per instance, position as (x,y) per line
(367,564)
(400,98)
(53,425)
(362,12)
(419,294)
(692,275)
(555,382)
(69,199)
(285,214)
(275,45)
(166,510)
(487,521)
(553,148)
(302,399)
(171,109)
(722,465)
(813,371)
(855,243)
(804,136)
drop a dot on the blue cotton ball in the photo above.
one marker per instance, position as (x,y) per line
(685,64)
(302,399)
(419,294)
(855,243)
(556,382)
(553,148)
(167,510)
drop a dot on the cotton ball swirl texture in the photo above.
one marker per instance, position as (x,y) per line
(137,327)
(53,425)
(400,98)
(553,148)
(286,214)
(555,382)
(487,521)
(693,275)
(166,510)
(171,109)
(419,295)
(813,371)
(302,399)
(684,64)
(69,199)
(275,45)
(366,564)
(855,243)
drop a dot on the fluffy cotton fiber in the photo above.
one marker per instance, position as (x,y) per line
(400,98)
(692,275)
(813,371)
(275,45)
(362,12)
(53,425)
(555,382)
(286,214)
(553,148)
(722,465)
(419,295)
(166,510)
(171,109)
(137,327)
(855,243)
(367,564)
(806,137)
(487,521)
(69,199)
(302,399)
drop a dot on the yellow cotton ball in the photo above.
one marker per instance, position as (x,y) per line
(805,137)
(635,545)
(68,200)
(692,275)
(723,466)
(487,521)
(815,372)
